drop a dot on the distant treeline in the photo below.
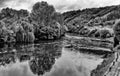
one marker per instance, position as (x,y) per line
(43,22)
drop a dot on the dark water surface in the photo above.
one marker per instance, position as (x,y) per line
(46,59)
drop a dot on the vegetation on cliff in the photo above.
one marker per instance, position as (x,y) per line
(93,22)
(44,23)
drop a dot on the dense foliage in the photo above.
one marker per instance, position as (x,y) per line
(48,22)
(92,21)
(45,23)
(21,26)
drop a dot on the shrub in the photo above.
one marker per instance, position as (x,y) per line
(105,33)
(84,31)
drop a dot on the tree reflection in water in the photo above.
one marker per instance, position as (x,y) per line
(44,60)
(6,54)
(41,64)
(41,57)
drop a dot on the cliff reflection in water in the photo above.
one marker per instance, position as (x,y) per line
(41,57)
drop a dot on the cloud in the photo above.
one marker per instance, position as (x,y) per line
(60,5)
(2,2)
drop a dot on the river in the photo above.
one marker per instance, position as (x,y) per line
(46,59)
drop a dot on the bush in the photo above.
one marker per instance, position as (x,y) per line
(92,33)
(97,34)
(105,34)
(84,31)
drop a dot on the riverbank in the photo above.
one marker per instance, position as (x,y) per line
(95,46)
(74,44)
(115,66)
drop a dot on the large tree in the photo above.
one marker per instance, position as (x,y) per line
(44,17)
(42,12)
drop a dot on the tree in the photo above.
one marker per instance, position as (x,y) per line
(45,19)
(25,32)
(42,12)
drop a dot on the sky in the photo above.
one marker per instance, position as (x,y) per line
(60,5)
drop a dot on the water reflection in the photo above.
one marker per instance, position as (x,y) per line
(74,63)
(41,64)
(46,59)
(38,57)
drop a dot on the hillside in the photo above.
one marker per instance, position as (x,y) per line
(92,22)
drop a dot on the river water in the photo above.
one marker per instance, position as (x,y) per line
(46,59)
